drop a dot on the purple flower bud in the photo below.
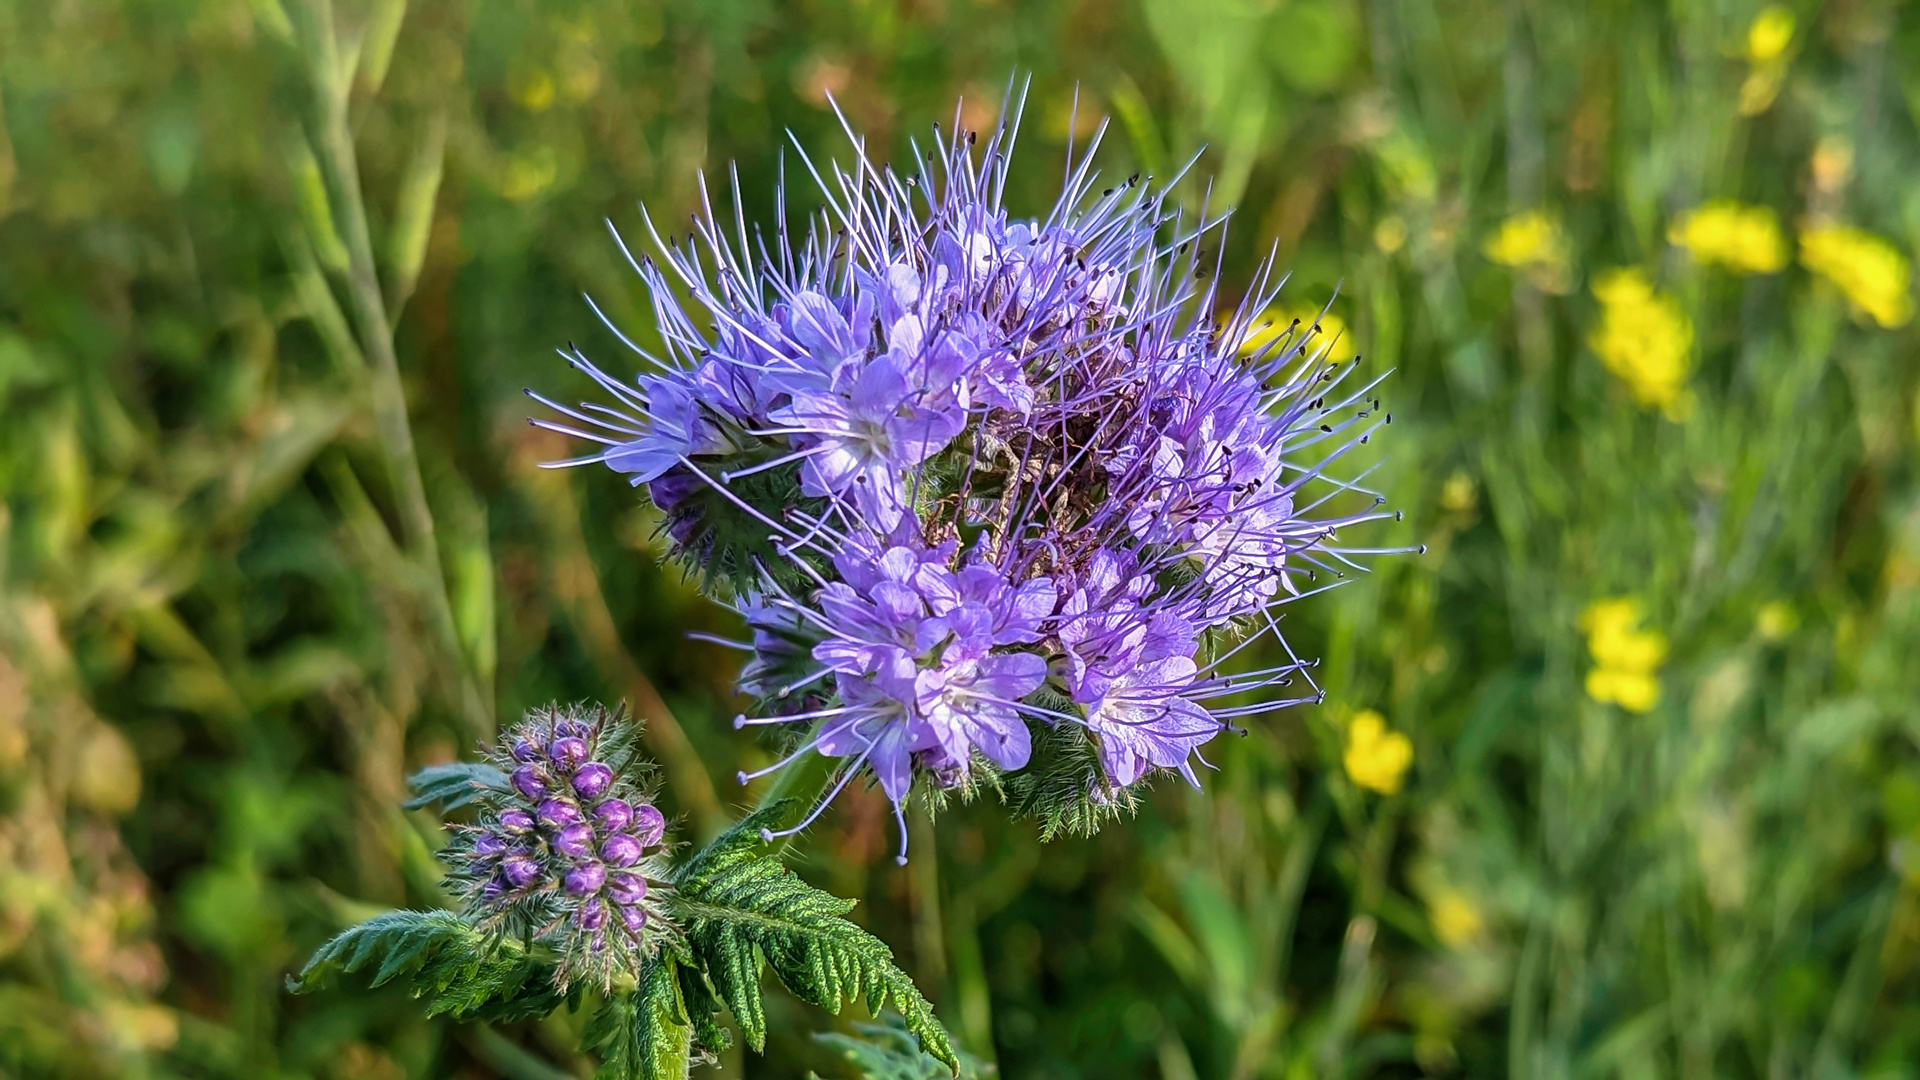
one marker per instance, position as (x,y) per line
(648,824)
(525,750)
(567,752)
(516,821)
(488,845)
(527,781)
(571,729)
(613,815)
(519,871)
(592,779)
(555,814)
(633,918)
(575,841)
(586,879)
(622,850)
(626,888)
(592,914)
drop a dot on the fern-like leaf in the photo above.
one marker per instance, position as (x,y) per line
(454,785)
(458,969)
(739,907)
(643,1033)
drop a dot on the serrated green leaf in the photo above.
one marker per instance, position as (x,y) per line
(739,906)
(458,969)
(454,785)
(642,1034)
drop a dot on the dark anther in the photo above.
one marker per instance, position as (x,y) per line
(1326,427)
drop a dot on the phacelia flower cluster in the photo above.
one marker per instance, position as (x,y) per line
(970,476)
(570,851)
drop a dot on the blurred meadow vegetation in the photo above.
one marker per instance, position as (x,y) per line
(1620,778)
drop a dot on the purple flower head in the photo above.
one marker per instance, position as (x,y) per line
(612,815)
(574,841)
(622,850)
(528,781)
(633,918)
(519,871)
(537,860)
(592,780)
(557,813)
(626,888)
(974,479)
(567,752)
(591,915)
(649,825)
(585,879)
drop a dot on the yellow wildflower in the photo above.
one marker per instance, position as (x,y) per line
(1376,758)
(1645,339)
(1390,235)
(1770,34)
(531,87)
(1455,920)
(529,173)
(1535,243)
(1775,621)
(1624,656)
(1744,239)
(1767,41)
(1874,275)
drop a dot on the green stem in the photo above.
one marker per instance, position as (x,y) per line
(507,1057)
(339,161)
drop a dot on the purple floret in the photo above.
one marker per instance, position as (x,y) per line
(567,752)
(574,841)
(622,850)
(649,825)
(624,887)
(557,814)
(592,780)
(527,780)
(585,879)
(612,815)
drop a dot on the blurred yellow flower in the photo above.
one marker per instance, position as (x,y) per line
(1744,239)
(529,173)
(532,88)
(1376,758)
(1775,620)
(1455,920)
(1625,657)
(1770,34)
(1645,339)
(1535,243)
(1390,235)
(1458,494)
(1276,321)
(1767,41)
(1874,275)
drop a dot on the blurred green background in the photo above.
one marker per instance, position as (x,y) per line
(1620,778)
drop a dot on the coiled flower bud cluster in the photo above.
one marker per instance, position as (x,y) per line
(570,851)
